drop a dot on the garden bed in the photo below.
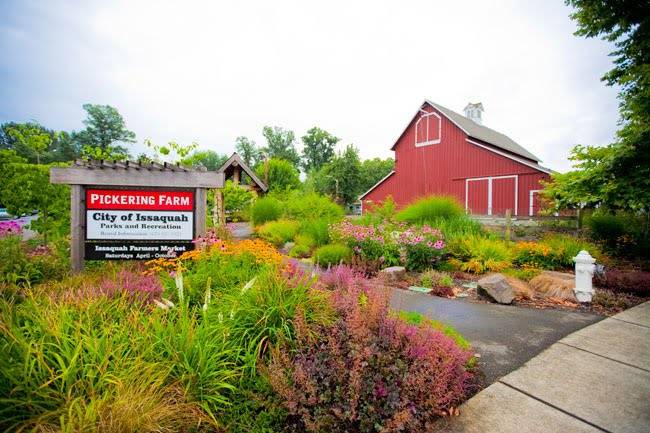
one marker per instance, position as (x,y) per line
(464,288)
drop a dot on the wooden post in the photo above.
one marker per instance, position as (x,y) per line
(218,212)
(77,227)
(236,174)
(201,198)
(508,224)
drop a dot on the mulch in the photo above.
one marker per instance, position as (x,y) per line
(607,303)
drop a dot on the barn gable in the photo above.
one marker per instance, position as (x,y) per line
(439,154)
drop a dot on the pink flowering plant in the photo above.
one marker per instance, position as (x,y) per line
(417,248)
(10,228)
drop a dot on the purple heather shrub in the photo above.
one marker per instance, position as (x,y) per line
(143,288)
(370,370)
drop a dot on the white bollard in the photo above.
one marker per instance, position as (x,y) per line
(585,268)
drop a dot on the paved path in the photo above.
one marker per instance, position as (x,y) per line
(594,380)
(504,335)
(241,230)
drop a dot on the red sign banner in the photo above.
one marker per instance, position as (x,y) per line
(139,200)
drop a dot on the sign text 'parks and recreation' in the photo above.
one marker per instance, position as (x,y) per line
(140,224)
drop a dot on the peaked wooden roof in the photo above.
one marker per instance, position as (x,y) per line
(236,161)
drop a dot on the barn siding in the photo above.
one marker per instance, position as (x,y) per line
(443,168)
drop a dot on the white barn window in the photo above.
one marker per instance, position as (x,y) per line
(427,129)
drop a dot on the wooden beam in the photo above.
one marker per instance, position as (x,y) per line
(201,198)
(126,177)
(77,227)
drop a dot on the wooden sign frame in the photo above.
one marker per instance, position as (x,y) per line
(131,175)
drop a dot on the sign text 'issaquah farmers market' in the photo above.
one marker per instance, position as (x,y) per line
(159,222)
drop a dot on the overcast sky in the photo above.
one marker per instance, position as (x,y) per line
(213,70)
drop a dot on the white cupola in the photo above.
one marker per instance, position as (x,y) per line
(474,111)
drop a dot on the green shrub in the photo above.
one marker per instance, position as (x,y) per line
(624,234)
(266,209)
(312,206)
(278,232)
(378,213)
(305,240)
(458,227)
(566,247)
(430,209)
(237,201)
(279,174)
(24,265)
(433,278)
(300,251)
(332,254)
(317,230)
(478,254)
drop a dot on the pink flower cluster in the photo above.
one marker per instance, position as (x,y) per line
(346,230)
(9,228)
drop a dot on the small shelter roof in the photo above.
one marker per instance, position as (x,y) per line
(228,168)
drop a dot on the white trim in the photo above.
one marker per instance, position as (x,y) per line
(490,179)
(375,186)
(426,116)
(530,201)
(433,105)
(521,161)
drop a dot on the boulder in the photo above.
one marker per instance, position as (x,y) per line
(498,287)
(553,284)
(521,288)
(394,273)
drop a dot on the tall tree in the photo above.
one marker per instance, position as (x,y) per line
(372,171)
(32,138)
(247,149)
(209,159)
(281,144)
(318,148)
(278,174)
(105,130)
(341,178)
(616,176)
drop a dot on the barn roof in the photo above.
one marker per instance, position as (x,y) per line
(483,133)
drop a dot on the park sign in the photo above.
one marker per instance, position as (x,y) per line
(128,224)
(122,210)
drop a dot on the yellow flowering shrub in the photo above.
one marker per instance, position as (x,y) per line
(264,253)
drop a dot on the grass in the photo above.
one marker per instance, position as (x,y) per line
(266,209)
(332,254)
(480,254)
(278,232)
(428,210)
(415,318)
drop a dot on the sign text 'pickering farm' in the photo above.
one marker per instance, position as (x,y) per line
(139,215)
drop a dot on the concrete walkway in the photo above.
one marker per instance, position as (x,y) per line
(505,336)
(594,380)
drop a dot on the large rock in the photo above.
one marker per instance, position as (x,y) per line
(555,285)
(498,287)
(394,273)
(521,288)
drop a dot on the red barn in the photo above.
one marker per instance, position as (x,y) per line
(443,152)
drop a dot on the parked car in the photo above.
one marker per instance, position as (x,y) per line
(4,215)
